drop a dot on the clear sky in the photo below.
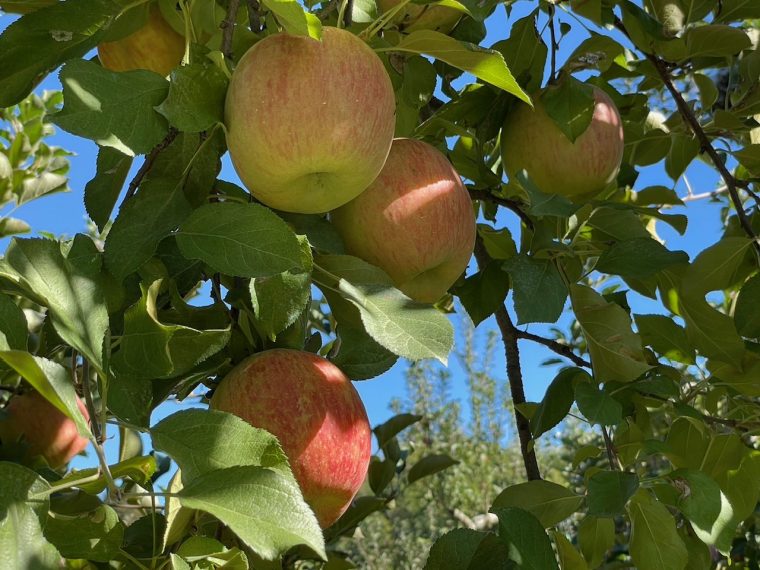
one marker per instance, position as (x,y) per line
(64,214)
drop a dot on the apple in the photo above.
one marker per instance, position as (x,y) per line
(415,221)
(415,17)
(532,141)
(309,123)
(43,428)
(317,415)
(155,46)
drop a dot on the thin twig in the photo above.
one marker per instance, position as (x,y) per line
(705,144)
(512,205)
(228,27)
(514,376)
(89,402)
(559,348)
(348,14)
(149,160)
(254,15)
(554,46)
(612,457)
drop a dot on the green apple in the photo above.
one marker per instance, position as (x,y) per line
(154,46)
(309,123)
(532,141)
(415,221)
(316,414)
(413,17)
(43,428)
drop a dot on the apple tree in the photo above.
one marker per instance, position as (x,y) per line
(392,166)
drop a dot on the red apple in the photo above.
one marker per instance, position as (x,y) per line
(43,428)
(415,221)
(532,141)
(155,46)
(309,123)
(315,412)
(413,17)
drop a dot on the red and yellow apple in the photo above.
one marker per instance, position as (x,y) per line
(309,123)
(415,221)
(413,17)
(317,415)
(46,431)
(532,141)
(155,47)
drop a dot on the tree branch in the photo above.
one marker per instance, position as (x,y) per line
(254,15)
(513,205)
(732,185)
(228,27)
(509,335)
(559,348)
(149,160)
(554,46)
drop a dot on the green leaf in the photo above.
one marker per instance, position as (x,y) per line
(524,52)
(391,428)
(498,243)
(732,10)
(747,311)
(715,40)
(708,92)
(360,509)
(51,380)
(597,405)
(115,109)
(609,491)
(571,106)
(22,544)
(137,469)
(558,400)
(294,18)
(596,536)
(202,441)
(598,52)
(615,349)
(430,465)
(666,337)
(529,545)
(719,267)
(196,97)
(151,349)
(71,287)
(539,291)
(484,292)
(655,543)
(687,441)
(246,240)
(683,150)
(13,326)
(707,508)
(455,550)
(264,508)
(39,42)
(569,557)
(102,192)
(278,300)
(549,502)
(360,357)
(638,258)
(484,64)
(749,157)
(13,226)
(96,535)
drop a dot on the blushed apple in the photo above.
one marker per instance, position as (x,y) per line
(415,221)
(309,123)
(155,47)
(532,141)
(317,415)
(46,431)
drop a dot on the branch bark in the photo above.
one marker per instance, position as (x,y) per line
(553,345)
(512,205)
(148,163)
(228,27)
(509,335)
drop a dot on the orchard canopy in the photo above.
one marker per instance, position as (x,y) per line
(393,168)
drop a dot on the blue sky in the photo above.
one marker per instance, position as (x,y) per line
(64,214)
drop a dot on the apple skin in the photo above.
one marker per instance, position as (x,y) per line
(44,428)
(317,415)
(532,141)
(415,17)
(415,221)
(155,47)
(309,123)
